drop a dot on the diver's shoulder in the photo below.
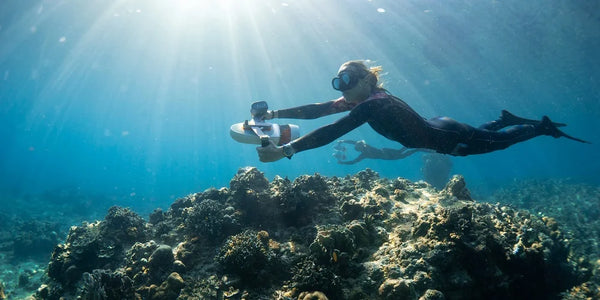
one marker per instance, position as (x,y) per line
(378,95)
(393,97)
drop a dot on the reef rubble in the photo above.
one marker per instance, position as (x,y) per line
(357,237)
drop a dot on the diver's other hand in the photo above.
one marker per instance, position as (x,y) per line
(270,153)
(339,146)
(340,156)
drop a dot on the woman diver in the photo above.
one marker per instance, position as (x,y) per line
(368,102)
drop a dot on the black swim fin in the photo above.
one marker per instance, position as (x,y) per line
(547,127)
(509,119)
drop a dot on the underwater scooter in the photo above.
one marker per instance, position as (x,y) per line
(258,131)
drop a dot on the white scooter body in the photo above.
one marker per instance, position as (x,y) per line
(253,132)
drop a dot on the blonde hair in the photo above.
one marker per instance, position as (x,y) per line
(360,66)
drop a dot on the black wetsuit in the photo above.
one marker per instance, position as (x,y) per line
(394,119)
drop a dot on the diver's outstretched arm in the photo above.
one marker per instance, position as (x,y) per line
(394,154)
(351,162)
(311,111)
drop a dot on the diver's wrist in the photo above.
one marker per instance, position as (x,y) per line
(287,150)
(274,114)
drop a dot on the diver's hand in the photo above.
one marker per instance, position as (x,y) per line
(270,153)
(340,151)
(270,114)
(339,146)
(360,146)
(343,160)
(341,157)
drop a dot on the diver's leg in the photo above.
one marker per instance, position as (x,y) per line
(461,139)
(508,119)
(446,135)
(483,141)
(394,154)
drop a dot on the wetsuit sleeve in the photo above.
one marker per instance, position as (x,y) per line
(394,154)
(329,133)
(316,110)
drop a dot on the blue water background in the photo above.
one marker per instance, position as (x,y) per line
(135,98)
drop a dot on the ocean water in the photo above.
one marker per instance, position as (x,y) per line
(131,101)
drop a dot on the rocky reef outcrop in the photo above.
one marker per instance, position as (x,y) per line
(357,237)
(575,208)
(25,247)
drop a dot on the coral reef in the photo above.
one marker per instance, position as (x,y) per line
(357,237)
(99,245)
(572,207)
(28,238)
(35,239)
(103,284)
(249,256)
(25,247)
